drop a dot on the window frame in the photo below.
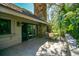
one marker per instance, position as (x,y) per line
(8,31)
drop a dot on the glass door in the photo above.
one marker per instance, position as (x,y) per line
(28,31)
(31,30)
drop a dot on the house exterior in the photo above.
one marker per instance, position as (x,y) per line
(18,25)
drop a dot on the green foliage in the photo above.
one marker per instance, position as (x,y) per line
(70,6)
(69,15)
(67,20)
(71,21)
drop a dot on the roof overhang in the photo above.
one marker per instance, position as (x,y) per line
(4,9)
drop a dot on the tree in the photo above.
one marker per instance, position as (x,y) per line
(65,19)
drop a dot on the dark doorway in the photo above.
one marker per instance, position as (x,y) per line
(28,31)
(24,32)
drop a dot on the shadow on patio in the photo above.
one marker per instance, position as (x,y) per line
(27,48)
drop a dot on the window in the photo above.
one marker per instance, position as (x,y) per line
(31,30)
(5,26)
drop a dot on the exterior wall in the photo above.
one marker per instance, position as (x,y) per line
(40,11)
(42,29)
(13,38)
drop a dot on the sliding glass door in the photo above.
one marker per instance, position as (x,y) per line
(28,31)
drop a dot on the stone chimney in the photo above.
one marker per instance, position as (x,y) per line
(40,11)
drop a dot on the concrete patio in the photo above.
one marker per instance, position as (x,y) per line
(27,48)
(36,47)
